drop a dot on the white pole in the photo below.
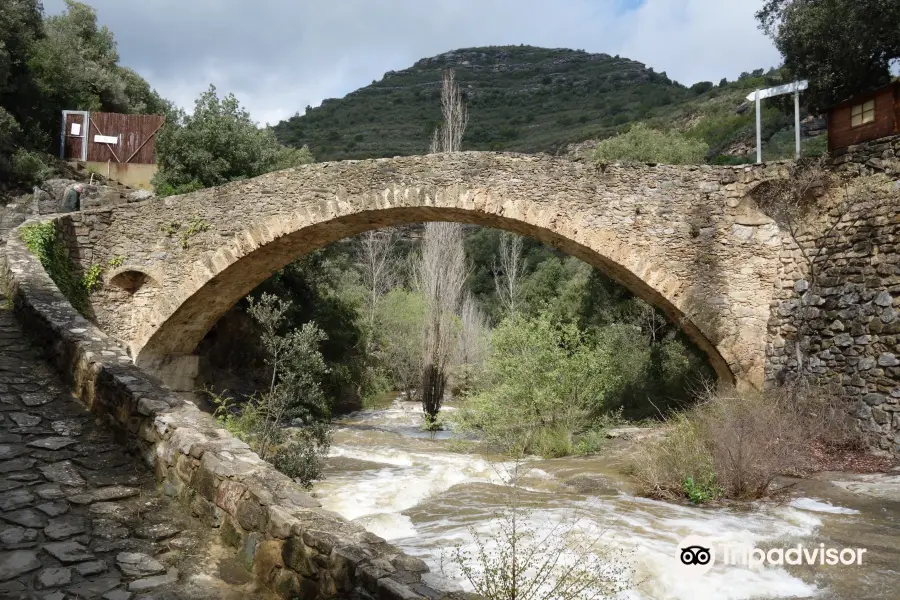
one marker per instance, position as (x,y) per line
(758,129)
(797,120)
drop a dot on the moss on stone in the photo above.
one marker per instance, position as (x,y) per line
(42,240)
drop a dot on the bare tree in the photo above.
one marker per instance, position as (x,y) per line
(530,555)
(441,277)
(471,344)
(378,264)
(441,274)
(509,272)
(448,136)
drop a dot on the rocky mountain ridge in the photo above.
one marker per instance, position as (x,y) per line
(520,98)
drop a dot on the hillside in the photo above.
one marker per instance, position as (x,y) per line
(529,99)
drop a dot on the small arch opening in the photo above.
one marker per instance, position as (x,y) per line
(130,281)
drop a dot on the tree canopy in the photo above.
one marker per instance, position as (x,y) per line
(216,144)
(842,46)
(52,63)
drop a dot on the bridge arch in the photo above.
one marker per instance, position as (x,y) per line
(677,237)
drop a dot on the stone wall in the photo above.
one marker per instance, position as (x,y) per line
(291,545)
(878,156)
(843,309)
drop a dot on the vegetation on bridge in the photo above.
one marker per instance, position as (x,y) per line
(43,241)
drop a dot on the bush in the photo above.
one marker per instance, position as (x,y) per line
(543,382)
(29,167)
(701,491)
(527,555)
(645,145)
(42,240)
(735,443)
(662,466)
(216,144)
(701,87)
(294,397)
(300,456)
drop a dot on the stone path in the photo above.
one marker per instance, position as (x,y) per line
(80,517)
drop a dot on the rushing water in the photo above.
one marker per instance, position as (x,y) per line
(385,473)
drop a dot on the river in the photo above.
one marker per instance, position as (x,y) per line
(414,490)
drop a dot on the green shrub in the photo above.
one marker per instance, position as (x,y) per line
(196,226)
(217,143)
(700,492)
(544,380)
(41,239)
(300,457)
(92,278)
(294,397)
(29,167)
(645,145)
(590,441)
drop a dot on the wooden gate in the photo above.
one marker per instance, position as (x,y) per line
(123,138)
(110,137)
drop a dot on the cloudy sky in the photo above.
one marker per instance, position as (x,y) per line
(279,56)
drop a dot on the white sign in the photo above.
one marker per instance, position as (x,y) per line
(76,129)
(788,88)
(106,139)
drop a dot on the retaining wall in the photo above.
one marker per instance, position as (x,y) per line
(280,533)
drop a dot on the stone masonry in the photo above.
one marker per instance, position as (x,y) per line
(72,504)
(844,312)
(277,531)
(878,156)
(687,239)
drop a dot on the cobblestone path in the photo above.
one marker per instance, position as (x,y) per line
(80,517)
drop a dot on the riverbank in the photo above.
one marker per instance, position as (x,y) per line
(412,488)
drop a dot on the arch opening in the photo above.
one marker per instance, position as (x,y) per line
(178,324)
(131,280)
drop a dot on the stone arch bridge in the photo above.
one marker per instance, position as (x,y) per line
(687,239)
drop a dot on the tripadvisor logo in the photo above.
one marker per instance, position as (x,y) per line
(697,555)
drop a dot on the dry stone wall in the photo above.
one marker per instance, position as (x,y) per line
(290,544)
(687,239)
(878,156)
(843,311)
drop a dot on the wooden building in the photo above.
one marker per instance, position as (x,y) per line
(865,117)
(120,147)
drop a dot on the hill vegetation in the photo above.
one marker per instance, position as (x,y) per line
(528,99)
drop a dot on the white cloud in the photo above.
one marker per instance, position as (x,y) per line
(278,56)
(700,40)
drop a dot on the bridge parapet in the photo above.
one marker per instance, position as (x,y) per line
(278,531)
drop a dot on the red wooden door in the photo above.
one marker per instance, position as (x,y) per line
(76,132)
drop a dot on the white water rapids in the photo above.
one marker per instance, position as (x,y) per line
(389,476)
